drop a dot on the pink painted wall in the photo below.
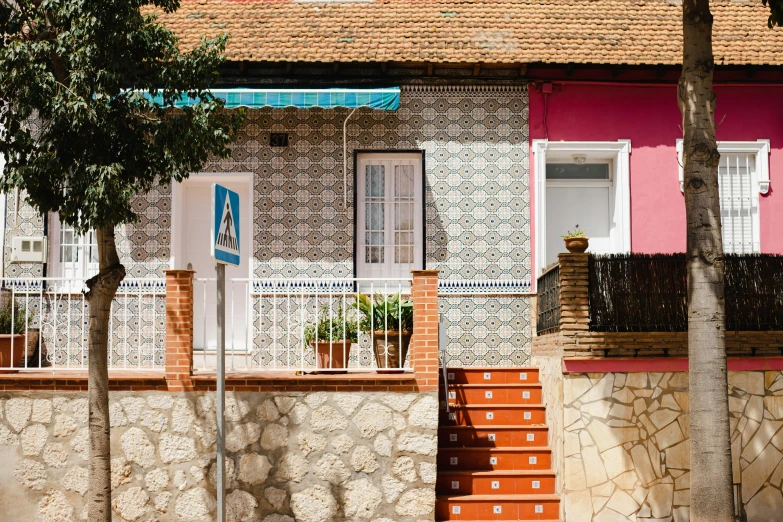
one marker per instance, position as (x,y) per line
(649,117)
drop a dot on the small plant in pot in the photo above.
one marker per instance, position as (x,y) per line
(331,337)
(389,320)
(576,241)
(13,337)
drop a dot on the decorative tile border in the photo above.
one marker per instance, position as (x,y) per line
(484,287)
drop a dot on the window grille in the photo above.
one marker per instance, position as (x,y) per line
(739,203)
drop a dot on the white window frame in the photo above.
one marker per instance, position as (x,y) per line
(387,270)
(617,153)
(82,269)
(761,150)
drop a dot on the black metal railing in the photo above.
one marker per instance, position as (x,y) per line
(548,289)
(648,293)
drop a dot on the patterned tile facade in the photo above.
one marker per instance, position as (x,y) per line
(477,201)
(144,247)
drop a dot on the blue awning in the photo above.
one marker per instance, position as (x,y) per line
(384,99)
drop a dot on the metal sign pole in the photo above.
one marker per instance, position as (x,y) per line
(221,390)
(224,240)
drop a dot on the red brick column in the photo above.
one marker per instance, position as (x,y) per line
(424,344)
(574,300)
(179,329)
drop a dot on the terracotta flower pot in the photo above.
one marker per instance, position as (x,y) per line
(19,352)
(391,349)
(576,245)
(332,357)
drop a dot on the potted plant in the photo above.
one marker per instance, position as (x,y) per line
(389,320)
(576,241)
(12,332)
(331,337)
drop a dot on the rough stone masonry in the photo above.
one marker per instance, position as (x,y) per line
(309,457)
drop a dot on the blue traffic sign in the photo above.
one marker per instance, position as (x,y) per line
(224,236)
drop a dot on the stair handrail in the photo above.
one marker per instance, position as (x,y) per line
(442,349)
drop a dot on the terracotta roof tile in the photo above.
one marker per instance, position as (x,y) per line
(470,31)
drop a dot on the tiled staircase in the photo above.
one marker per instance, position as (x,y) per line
(493,459)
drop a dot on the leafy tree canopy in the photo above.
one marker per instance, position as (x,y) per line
(776,12)
(77,133)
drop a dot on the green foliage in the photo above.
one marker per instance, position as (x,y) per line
(77,133)
(385,312)
(18,319)
(775,13)
(576,232)
(336,325)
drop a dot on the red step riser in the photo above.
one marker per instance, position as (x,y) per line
(501,417)
(497,376)
(480,461)
(499,396)
(482,485)
(513,474)
(484,510)
(467,438)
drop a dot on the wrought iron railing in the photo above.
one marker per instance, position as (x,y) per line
(50,318)
(316,325)
(548,290)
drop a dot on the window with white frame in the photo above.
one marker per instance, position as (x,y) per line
(389,211)
(72,256)
(743,174)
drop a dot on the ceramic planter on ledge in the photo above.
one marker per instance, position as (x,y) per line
(391,349)
(19,352)
(332,356)
(576,245)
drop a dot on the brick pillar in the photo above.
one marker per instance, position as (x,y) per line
(574,304)
(179,329)
(424,344)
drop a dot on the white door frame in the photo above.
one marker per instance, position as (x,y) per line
(618,152)
(178,208)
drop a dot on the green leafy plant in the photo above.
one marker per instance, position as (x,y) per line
(576,232)
(337,325)
(18,319)
(385,312)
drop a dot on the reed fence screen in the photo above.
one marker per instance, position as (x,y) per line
(648,293)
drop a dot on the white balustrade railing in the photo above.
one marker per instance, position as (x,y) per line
(50,319)
(310,325)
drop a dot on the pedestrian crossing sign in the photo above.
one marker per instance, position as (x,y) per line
(225,226)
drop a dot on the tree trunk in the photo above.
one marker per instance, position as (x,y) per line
(711,474)
(101,291)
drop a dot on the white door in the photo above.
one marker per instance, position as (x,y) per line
(195,250)
(579,194)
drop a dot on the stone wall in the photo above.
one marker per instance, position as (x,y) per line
(547,356)
(290,456)
(627,445)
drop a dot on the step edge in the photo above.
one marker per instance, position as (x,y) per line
(503,448)
(484,498)
(494,368)
(502,426)
(510,406)
(496,385)
(482,473)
